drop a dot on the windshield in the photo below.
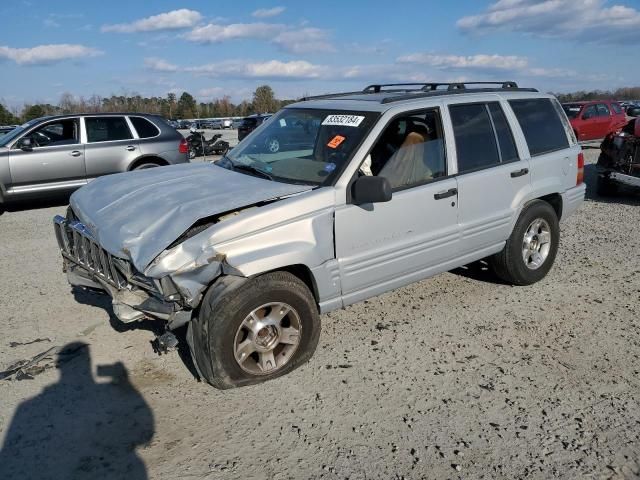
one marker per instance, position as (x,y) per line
(16,132)
(308,146)
(572,109)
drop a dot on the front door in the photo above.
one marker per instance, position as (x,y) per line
(54,161)
(383,246)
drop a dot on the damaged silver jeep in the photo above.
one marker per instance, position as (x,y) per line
(333,200)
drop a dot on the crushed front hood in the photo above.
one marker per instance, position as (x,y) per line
(138,214)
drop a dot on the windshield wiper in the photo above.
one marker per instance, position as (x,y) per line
(252,169)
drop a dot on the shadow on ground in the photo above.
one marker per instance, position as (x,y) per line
(77,428)
(98,299)
(59,200)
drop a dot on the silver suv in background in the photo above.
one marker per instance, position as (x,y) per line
(396,184)
(62,153)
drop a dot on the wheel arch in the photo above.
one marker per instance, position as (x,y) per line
(147,159)
(555,200)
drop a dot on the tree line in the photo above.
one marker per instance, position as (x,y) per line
(171,106)
(624,93)
(186,105)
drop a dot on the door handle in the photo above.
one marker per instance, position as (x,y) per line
(76,153)
(519,173)
(449,193)
(131,148)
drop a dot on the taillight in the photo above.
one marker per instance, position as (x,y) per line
(580,176)
(184,146)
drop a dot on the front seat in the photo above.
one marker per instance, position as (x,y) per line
(408,165)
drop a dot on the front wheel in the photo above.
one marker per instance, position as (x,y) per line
(531,249)
(262,329)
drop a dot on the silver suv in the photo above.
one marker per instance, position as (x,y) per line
(62,153)
(397,184)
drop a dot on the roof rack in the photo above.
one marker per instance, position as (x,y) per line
(429,87)
(425,89)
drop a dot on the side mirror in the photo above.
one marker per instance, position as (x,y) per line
(371,190)
(25,144)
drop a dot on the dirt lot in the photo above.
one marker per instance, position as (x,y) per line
(458,376)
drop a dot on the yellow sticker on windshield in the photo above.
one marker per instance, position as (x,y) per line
(336,141)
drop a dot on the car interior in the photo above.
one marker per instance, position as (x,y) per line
(410,151)
(62,132)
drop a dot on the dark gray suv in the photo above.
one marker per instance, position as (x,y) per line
(62,153)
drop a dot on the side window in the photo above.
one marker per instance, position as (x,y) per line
(616,108)
(589,112)
(476,145)
(105,129)
(603,110)
(144,127)
(61,132)
(540,124)
(410,151)
(507,145)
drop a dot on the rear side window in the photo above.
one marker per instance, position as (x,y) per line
(144,127)
(616,108)
(603,110)
(483,137)
(540,124)
(107,129)
(508,151)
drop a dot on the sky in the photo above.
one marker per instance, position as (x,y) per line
(215,48)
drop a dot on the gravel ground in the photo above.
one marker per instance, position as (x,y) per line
(457,376)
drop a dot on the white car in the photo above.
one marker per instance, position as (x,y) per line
(397,184)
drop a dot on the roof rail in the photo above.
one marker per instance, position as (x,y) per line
(424,89)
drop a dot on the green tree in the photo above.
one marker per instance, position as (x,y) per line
(187,107)
(264,100)
(33,111)
(6,117)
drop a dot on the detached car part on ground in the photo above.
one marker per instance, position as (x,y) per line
(619,162)
(398,185)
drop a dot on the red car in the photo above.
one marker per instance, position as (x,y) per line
(595,119)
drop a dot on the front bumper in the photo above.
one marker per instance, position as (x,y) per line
(88,265)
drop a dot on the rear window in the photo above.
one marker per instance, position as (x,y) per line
(106,129)
(540,124)
(249,122)
(616,108)
(144,127)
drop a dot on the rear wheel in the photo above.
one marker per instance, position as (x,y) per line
(145,165)
(531,249)
(262,329)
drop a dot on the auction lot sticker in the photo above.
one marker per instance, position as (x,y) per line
(344,120)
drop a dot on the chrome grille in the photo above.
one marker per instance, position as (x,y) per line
(77,245)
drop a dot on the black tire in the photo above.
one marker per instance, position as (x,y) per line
(225,306)
(509,264)
(606,187)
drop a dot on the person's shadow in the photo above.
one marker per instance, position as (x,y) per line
(77,428)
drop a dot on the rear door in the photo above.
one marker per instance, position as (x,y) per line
(590,123)
(605,122)
(492,176)
(111,145)
(55,162)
